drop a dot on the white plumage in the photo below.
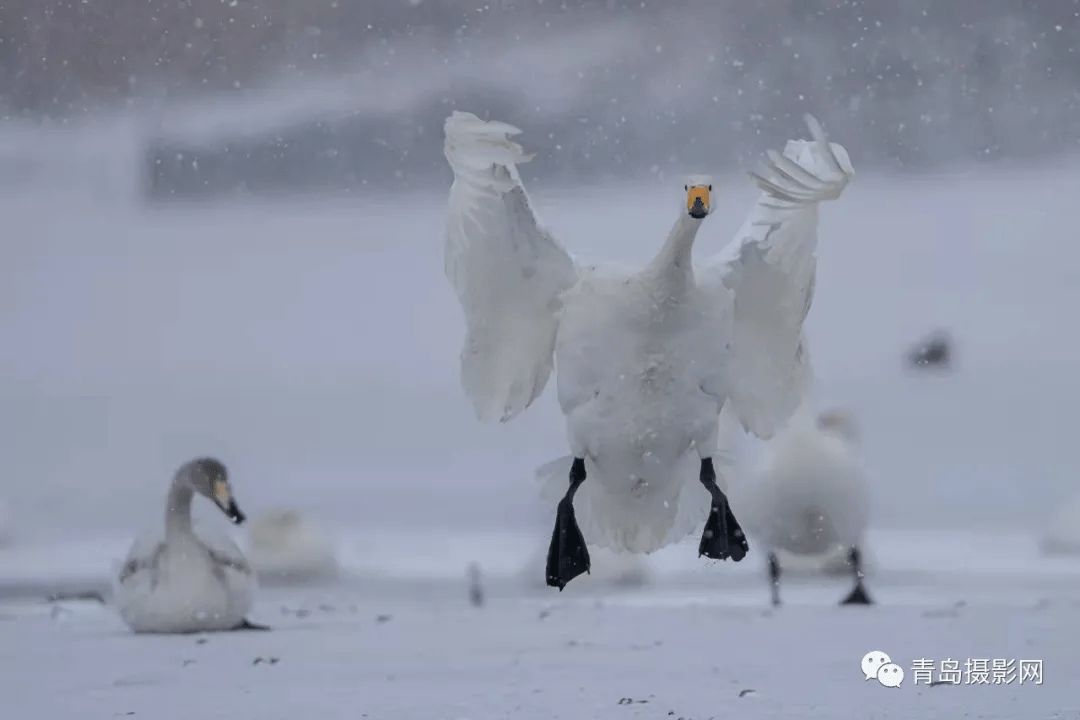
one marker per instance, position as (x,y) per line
(646,358)
(187,582)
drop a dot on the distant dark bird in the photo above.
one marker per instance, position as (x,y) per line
(934,351)
(476,587)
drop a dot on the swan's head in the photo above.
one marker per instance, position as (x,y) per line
(839,422)
(698,190)
(209,478)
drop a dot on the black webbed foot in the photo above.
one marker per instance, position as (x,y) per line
(568,555)
(858,595)
(248,625)
(722,537)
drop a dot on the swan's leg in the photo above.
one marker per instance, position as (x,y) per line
(722,538)
(774,578)
(248,625)
(568,556)
(858,595)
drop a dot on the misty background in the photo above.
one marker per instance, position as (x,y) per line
(156,307)
(339,95)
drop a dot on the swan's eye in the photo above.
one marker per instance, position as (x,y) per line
(710,188)
(686,188)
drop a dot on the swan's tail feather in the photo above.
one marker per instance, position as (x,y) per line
(625,524)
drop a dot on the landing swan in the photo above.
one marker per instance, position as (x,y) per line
(286,547)
(808,497)
(646,359)
(185,583)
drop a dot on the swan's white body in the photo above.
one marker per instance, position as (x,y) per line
(648,358)
(1062,535)
(286,547)
(808,499)
(184,583)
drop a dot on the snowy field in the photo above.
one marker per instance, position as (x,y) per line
(400,639)
(313,348)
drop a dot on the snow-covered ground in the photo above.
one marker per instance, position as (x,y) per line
(699,650)
(314,349)
(400,639)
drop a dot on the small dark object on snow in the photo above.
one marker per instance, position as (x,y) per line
(935,351)
(476,588)
(269,660)
(383,618)
(747,691)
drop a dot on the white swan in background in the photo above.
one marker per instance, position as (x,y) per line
(288,547)
(646,359)
(1062,535)
(185,583)
(808,498)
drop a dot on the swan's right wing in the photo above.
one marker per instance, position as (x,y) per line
(507,271)
(767,277)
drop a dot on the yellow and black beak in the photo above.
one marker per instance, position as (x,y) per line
(697,201)
(224,500)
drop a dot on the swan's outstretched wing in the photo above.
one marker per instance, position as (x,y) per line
(767,274)
(508,271)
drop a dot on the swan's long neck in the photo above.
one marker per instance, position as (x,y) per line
(673,267)
(178,509)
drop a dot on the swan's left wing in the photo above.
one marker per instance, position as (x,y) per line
(766,277)
(509,273)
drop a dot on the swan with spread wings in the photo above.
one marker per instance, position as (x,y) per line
(648,359)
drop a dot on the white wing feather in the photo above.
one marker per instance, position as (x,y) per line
(769,270)
(507,271)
